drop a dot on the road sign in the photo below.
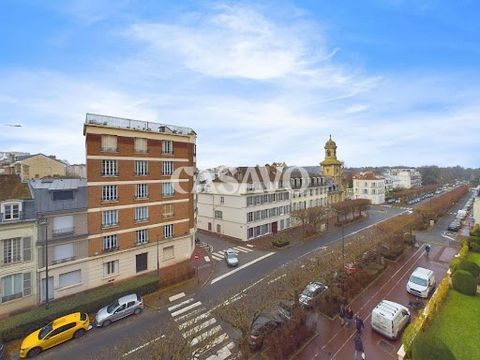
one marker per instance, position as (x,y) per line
(196,257)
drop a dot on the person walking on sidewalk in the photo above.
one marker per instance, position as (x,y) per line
(359,323)
(342,314)
(359,352)
(349,316)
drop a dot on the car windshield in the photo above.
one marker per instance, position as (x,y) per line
(231,255)
(308,292)
(418,281)
(45,331)
(111,308)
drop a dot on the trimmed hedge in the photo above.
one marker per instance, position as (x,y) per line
(281,242)
(18,326)
(454,264)
(469,266)
(464,282)
(428,347)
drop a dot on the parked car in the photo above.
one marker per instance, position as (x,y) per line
(312,293)
(455,225)
(421,283)
(390,318)
(261,326)
(123,307)
(3,352)
(231,257)
(58,331)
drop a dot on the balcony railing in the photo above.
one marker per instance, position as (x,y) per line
(122,123)
(63,231)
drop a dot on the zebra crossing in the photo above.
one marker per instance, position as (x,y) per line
(218,255)
(206,336)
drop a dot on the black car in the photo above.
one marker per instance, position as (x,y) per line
(3,352)
(454,226)
(263,325)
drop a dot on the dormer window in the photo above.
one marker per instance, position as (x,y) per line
(11,211)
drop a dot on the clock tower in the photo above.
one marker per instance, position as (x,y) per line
(331,166)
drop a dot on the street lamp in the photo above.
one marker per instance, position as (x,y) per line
(44,221)
(158,255)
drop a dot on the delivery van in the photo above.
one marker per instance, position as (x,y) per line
(390,318)
(421,283)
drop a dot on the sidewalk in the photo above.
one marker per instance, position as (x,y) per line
(204,269)
(335,342)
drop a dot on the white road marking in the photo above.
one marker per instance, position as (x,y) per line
(250,245)
(174,307)
(218,340)
(241,267)
(217,257)
(185,309)
(198,328)
(189,315)
(241,250)
(206,335)
(207,259)
(276,279)
(176,297)
(221,354)
(194,321)
(244,248)
(142,346)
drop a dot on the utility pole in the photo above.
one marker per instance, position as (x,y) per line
(158,255)
(44,221)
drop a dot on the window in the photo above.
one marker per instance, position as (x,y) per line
(218,214)
(168,231)
(141,191)
(110,268)
(141,262)
(109,192)
(70,278)
(141,213)
(167,189)
(15,286)
(168,210)
(222,200)
(62,195)
(167,147)
(109,218)
(109,143)
(141,236)
(141,167)
(110,242)
(16,250)
(11,211)
(250,217)
(167,168)
(168,253)
(140,145)
(63,225)
(63,252)
(109,168)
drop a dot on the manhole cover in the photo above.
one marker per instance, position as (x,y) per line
(386,346)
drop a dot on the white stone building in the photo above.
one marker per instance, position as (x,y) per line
(367,185)
(402,178)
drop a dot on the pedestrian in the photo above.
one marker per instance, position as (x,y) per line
(341,314)
(349,316)
(428,247)
(359,353)
(359,323)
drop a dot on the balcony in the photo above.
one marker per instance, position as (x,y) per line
(111,249)
(56,233)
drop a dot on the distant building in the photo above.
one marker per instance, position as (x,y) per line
(77,171)
(367,185)
(402,178)
(141,207)
(476,209)
(18,235)
(37,166)
(61,208)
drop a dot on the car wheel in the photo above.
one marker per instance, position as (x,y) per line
(79,333)
(137,311)
(34,352)
(106,323)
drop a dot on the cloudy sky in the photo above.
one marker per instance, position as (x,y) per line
(396,82)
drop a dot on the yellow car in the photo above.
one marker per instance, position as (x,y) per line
(58,331)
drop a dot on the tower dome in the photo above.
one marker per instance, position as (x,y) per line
(330,143)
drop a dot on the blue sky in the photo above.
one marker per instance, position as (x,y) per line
(394,81)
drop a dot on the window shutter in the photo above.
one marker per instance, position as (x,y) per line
(27,249)
(27,283)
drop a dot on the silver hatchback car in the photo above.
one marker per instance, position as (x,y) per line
(123,307)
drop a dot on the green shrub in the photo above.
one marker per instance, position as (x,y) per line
(18,326)
(280,242)
(475,247)
(469,266)
(427,347)
(454,264)
(464,282)
(475,231)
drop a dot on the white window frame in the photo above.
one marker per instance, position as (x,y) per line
(70,273)
(167,147)
(141,191)
(109,218)
(141,236)
(109,193)
(141,213)
(168,231)
(110,242)
(168,189)
(141,167)
(9,212)
(141,145)
(111,268)
(167,214)
(168,252)
(109,168)
(218,214)
(167,167)
(26,284)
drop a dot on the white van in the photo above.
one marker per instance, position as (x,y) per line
(421,283)
(390,318)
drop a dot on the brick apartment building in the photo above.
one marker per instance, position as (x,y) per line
(141,206)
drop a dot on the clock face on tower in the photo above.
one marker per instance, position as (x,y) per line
(328,152)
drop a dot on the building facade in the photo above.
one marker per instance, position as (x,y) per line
(367,185)
(402,178)
(61,210)
(18,234)
(141,207)
(38,166)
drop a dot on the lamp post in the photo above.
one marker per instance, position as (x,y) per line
(158,255)
(44,221)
